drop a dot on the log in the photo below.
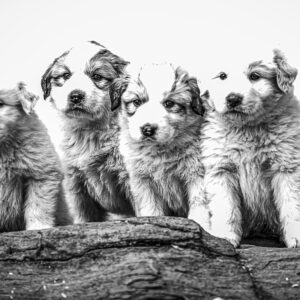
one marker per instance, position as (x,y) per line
(140,258)
(274,269)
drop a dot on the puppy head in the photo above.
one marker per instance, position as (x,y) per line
(78,81)
(14,105)
(247,94)
(159,104)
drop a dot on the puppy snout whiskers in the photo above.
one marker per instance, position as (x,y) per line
(76,96)
(234,99)
(148,130)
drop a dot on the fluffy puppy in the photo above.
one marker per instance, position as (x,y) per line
(77,84)
(251,152)
(30,174)
(160,120)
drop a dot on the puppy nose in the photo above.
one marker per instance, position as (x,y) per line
(234,99)
(76,96)
(149,130)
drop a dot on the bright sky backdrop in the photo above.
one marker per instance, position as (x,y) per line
(193,33)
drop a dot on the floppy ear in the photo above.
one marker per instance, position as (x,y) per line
(27,99)
(118,63)
(197,103)
(46,78)
(46,81)
(284,72)
(206,101)
(116,91)
(181,75)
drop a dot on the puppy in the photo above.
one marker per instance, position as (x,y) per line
(77,84)
(251,152)
(160,121)
(30,174)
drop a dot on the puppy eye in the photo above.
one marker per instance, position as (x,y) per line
(66,76)
(222,76)
(254,76)
(168,104)
(1,104)
(137,102)
(97,77)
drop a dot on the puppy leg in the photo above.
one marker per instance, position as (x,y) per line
(146,201)
(226,219)
(62,214)
(41,202)
(198,207)
(286,188)
(83,208)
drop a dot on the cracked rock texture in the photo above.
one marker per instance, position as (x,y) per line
(143,258)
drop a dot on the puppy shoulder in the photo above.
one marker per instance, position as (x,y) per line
(36,150)
(213,132)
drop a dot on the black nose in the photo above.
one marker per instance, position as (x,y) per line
(234,99)
(148,130)
(76,96)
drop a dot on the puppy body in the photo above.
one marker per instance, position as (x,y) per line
(251,154)
(97,182)
(77,83)
(165,168)
(30,173)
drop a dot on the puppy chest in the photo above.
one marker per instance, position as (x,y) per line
(254,183)
(258,208)
(12,193)
(171,194)
(165,180)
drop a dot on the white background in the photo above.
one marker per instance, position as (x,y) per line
(188,32)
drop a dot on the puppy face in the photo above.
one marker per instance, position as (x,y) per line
(249,93)
(78,81)
(158,104)
(14,105)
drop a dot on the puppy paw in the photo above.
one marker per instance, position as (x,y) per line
(291,235)
(233,241)
(38,226)
(231,236)
(201,215)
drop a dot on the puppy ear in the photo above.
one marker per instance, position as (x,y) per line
(46,78)
(119,63)
(181,75)
(27,99)
(46,81)
(206,101)
(116,91)
(284,72)
(197,103)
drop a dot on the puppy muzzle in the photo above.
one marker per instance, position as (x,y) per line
(76,97)
(233,100)
(149,130)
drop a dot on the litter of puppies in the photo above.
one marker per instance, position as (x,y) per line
(224,153)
